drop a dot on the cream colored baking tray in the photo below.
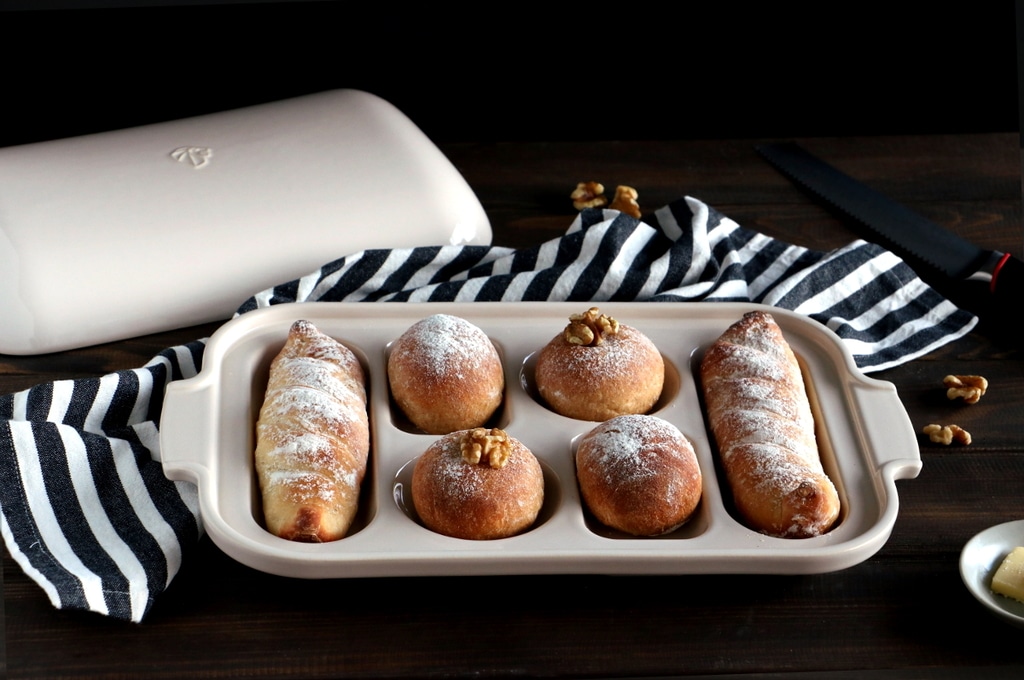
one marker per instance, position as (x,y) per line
(207,437)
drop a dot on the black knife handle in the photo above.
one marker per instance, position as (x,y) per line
(1007,284)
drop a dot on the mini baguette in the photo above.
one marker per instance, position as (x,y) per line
(312,438)
(761,419)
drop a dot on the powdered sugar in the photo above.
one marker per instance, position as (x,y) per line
(339,381)
(616,356)
(465,481)
(446,345)
(305,485)
(627,447)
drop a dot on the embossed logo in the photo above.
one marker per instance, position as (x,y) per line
(196,156)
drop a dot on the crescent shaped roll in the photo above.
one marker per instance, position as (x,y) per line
(312,438)
(761,419)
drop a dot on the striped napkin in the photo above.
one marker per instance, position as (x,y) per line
(88,514)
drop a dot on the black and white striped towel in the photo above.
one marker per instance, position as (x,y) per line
(88,514)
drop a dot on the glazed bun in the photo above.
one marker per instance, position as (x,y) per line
(445,375)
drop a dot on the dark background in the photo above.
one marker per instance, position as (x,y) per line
(507,71)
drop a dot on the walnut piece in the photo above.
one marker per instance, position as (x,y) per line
(590,328)
(947,434)
(966,387)
(488,447)
(960,434)
(625,201)
(588,195)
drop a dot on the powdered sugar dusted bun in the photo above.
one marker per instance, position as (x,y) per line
(761,420)
(638,474)
(445,375)
(312,438)
(478,484)
(597,369)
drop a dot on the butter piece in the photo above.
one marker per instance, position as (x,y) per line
(1009,577)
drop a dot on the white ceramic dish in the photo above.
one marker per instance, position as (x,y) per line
(207,437)
(979,560)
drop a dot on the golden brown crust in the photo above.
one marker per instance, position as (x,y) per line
(761,420)
(623,375)
(313,438)
(445,375)
(638,474)
(476,501)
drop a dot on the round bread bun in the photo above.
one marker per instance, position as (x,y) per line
(478,500)
(445,375)
(638,474)
(622,373)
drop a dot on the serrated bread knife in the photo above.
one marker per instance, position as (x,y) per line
(909,234)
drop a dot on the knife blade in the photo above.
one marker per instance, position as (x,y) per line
(908,233)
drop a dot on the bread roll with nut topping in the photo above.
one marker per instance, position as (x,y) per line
(478,484)
(597,368)
(760,416)
(312,438)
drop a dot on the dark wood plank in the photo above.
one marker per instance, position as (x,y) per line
(970,183)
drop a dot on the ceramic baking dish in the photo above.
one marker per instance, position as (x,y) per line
(208,423)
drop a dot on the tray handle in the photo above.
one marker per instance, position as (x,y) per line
(186,430)
(886,428)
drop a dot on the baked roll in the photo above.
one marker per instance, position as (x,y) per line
(312,438)
(478,484)
(445,375)
(761,419)
(638,474)
(597,368)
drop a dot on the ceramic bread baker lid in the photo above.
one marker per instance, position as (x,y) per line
(119,234)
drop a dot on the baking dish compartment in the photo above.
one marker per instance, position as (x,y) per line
(401,491)
(257,392)
(693,527)
(826,451)
(401,421)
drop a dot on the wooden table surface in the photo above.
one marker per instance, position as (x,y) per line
(902,613)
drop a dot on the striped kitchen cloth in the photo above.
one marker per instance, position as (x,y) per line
(88,514)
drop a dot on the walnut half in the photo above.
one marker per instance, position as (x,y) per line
(947,434)
(489,447)
(588,195)
(590,328)
(970,388)
(625,201)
